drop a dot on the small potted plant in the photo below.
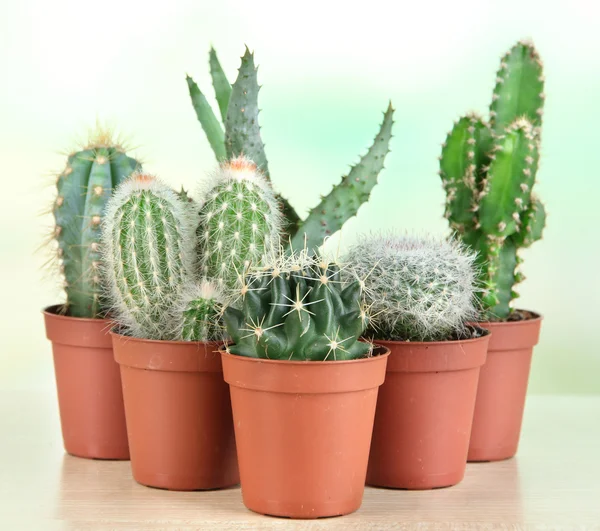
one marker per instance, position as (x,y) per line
(87,378)
(303,389)
(421,294)
(488,171)
(168,271)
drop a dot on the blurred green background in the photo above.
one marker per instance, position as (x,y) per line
(328,70)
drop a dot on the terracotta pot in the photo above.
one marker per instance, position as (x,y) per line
(88,386)
(502,389)
(424,413)
(303,430)
(178,414)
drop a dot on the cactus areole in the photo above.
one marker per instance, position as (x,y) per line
(488,171)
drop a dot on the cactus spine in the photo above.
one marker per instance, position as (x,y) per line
(238,104)
(148,255)
(488,171)
(298,310)
(417,289)
(239,224)
(83,190)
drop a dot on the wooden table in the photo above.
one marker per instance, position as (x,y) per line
(553,483)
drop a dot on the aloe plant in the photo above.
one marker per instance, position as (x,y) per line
(239,134)
(488,170)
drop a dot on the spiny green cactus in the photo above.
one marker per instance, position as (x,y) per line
(240,221)
(488,171)
(239,110)
(84,188)
(200,312)
(298,310)
(147,242)
(418,289)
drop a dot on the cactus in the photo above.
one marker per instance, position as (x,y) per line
(147,243)
(488,171)
(417,289)
(238,104)
(298,310)
(83,190)
(200,311)
(240,222)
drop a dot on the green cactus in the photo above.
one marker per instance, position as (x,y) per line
(147,243)
(488,172)
(239,109)
(240,222)
(200,312)
(83,190)
(298,310)
(418,289)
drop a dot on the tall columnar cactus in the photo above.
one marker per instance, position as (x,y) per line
(238,104)
(298,310)
(488,170)
(147,241)
(416,289)
(240,222)
(83,190)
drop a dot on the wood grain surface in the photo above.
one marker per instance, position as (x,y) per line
(553,483)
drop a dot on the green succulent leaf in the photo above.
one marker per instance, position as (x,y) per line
(208,120)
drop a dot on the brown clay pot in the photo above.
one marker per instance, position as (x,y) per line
(424,413)
(178,414)
(502,389)
(88,385)
(303,430)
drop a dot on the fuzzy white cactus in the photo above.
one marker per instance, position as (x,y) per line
(148,250)
(418,289)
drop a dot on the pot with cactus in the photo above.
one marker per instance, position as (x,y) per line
(87,378)
(170,265)
(303,387)
(421,294)
(488,170)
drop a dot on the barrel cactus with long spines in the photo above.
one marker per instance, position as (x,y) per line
(488,170)
(298,310)
(238,104)
(148,248)
(417,289)
(240,222)
(84,188)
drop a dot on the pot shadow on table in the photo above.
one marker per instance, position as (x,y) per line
(96,491)
(489,493)
(103,491)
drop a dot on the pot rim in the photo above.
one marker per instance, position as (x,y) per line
(486,333)
(51,311)
(296,377)
(536,317)
(385,352)
(114,332)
